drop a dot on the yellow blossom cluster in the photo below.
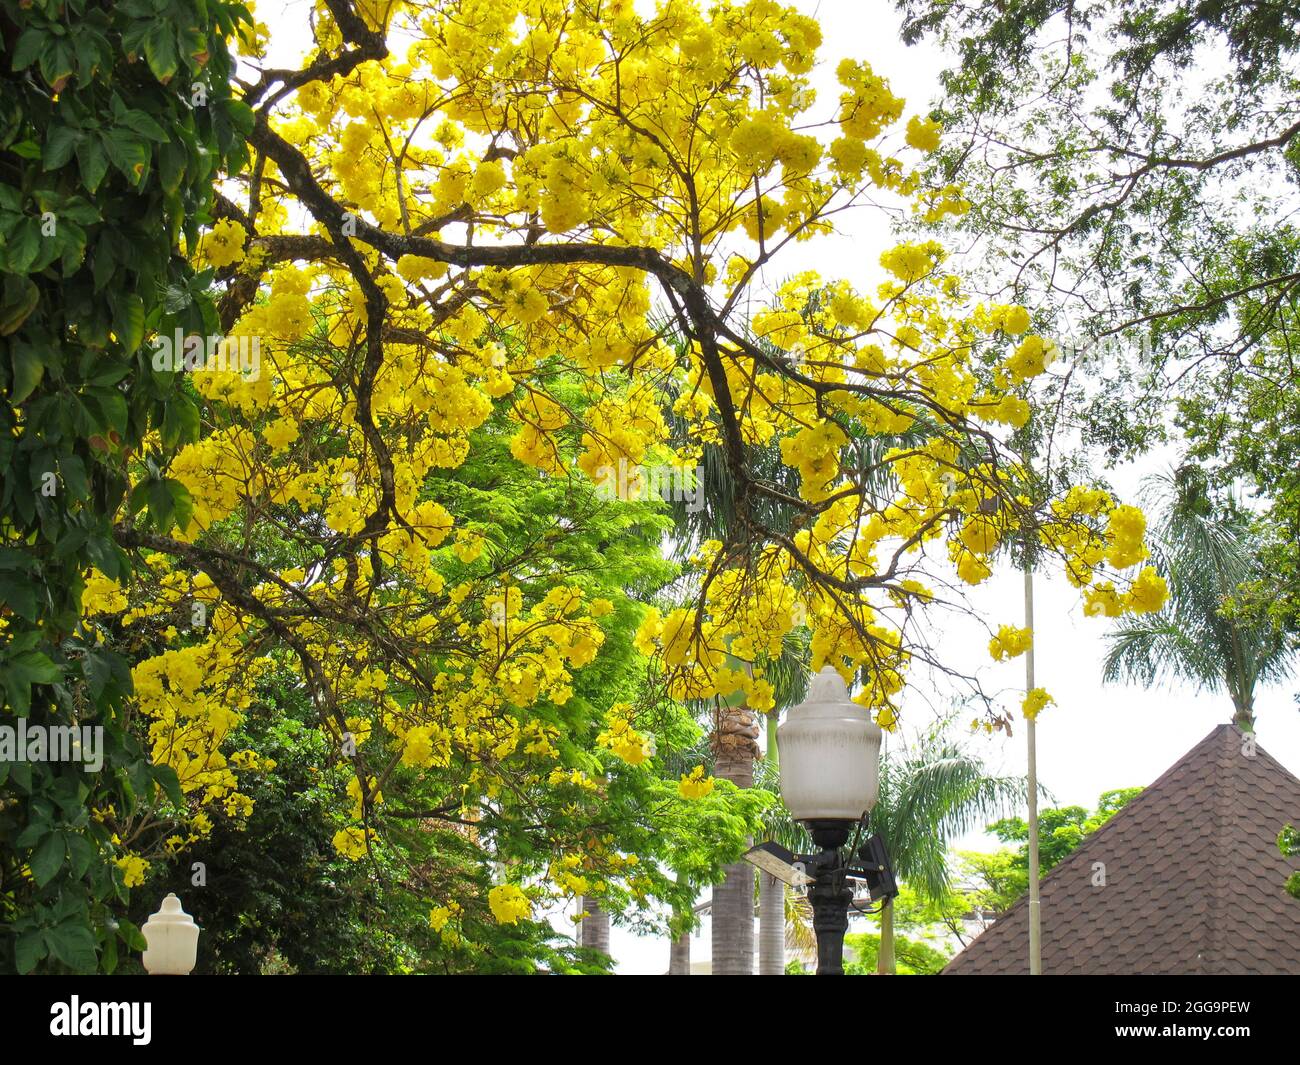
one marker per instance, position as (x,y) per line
(1010,642)
(224,243)
(623,739)
(509,904)
(695,785)
(1035,701)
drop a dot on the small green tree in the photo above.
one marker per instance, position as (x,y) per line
(1288,842)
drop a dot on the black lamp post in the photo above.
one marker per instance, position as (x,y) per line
(830,780)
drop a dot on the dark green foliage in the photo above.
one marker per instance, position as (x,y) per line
(113,120)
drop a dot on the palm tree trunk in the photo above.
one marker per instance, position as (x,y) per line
(679,956)
(1244,714)
(771,926)
(734,751)
(771,895)
(885,965)
(594,930)
(679,949)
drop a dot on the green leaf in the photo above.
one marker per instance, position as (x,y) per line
(132,936)
(111,405)
(18,593)
(160,50)
(98,671)
(172,159)
(160,505)
(182,504)
(109,960)
(29,949)
(241,116)
(28,371)
(48,859)
(29,47)
(59,145)
(81,852)
(180,421)
(32,835)
(18,674)
(37,668)
(72,472)
(128,322)
(20,298)
(142,123)
(57,62)
(23,247)
(166,776)
(126,152)
(93,162)
(74,945)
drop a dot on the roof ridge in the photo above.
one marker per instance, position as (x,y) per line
(1224,792)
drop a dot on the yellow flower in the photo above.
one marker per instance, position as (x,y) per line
(509,904)
(1010,642)
(1148,593)
(651,628)
(280,433)
(1102,599)
(440,915)
(624,740)
(133,869)
(923,133)
(225,244)
(1036,699)
(468,546)
(1032,357)
(1124,532)
(103,595)
(695,785)
(351,842)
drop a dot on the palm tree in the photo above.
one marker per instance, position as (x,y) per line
(593,930)
(735,727)
(789,675)
(928,794)
(1205,551)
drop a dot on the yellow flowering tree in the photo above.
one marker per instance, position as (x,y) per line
(550,215)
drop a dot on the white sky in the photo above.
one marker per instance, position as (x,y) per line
(1096,737)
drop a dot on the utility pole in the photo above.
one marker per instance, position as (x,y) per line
(1035,924)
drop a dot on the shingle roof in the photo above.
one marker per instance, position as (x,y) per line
(1193,880)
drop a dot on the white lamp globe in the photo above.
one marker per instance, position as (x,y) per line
(830,754)
(173,940)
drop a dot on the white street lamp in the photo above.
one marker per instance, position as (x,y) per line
(173,940)
(830,780)
(830,754)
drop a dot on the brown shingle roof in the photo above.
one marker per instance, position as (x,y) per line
(1194,880)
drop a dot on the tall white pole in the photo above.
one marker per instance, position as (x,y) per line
(1035,927)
